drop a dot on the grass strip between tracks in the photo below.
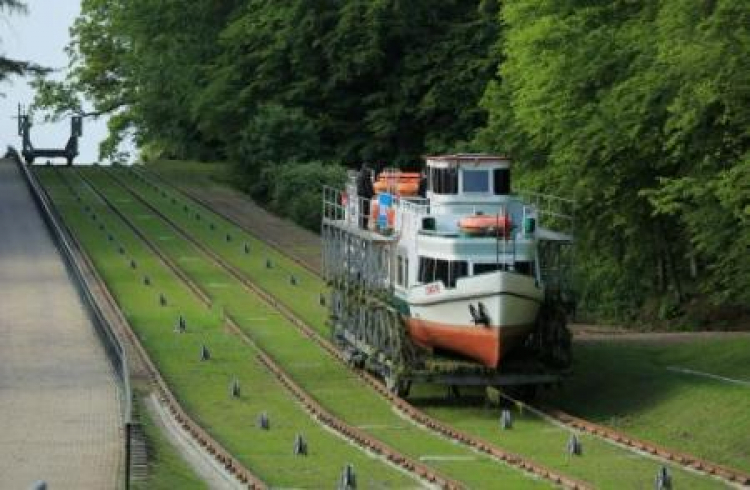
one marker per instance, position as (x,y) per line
(606,465)
(336,388)
(203,387)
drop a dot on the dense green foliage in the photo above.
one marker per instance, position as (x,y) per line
(637,109)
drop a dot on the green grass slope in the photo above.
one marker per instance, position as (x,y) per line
(203,387)
(605,465)
(327,380)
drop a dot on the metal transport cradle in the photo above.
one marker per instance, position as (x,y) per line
(447,277)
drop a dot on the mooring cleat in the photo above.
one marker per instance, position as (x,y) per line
(663,479)
(506,421)
(234,388)
(575,448)
(264,422)
(348,480)
(300,446)
(181,325)
(205,354)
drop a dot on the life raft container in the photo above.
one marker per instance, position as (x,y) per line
(399,183)
(485,224)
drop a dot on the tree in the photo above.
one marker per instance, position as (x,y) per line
(632,107)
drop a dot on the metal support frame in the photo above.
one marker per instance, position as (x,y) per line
(70,152)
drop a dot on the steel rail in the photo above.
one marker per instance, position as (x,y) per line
(309,403)
(685,460)
(412,413)
(194,197)
(165,395)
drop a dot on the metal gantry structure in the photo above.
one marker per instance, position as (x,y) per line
(357,264)
(366,324)
(30,153)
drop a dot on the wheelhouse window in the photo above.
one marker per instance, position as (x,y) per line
(522,267)
(444,180)
(525,268)
(485,268)
(501,177)
(448,271)
(476,181)
(400,270)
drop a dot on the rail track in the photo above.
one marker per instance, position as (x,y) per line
(148,371)
(687,461)
(368,443)
(412,413)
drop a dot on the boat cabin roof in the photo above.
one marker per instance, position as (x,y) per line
(460,159)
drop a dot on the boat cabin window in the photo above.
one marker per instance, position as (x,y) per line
(448,271)
(485,268)
(402,271)
(522,267)
(502,181)
(444,180)
(525,268)
(476,181)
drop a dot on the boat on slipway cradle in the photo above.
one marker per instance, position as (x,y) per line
(446,276)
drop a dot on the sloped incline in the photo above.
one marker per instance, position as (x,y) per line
(59,408)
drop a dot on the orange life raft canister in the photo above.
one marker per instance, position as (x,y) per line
(485,224)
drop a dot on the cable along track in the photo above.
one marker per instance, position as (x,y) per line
(154,378)
(358,437)
(687,461)
(402,406)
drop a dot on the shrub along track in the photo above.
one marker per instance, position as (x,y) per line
(686,461)
(347,431)
(279,468)
(343,395)
(636,470)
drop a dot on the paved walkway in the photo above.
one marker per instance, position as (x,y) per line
(59,408)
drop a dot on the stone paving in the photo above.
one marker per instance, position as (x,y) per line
(59,406)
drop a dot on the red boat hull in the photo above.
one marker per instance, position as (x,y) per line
(486,345)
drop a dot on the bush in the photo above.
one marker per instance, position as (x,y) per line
(296,189)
